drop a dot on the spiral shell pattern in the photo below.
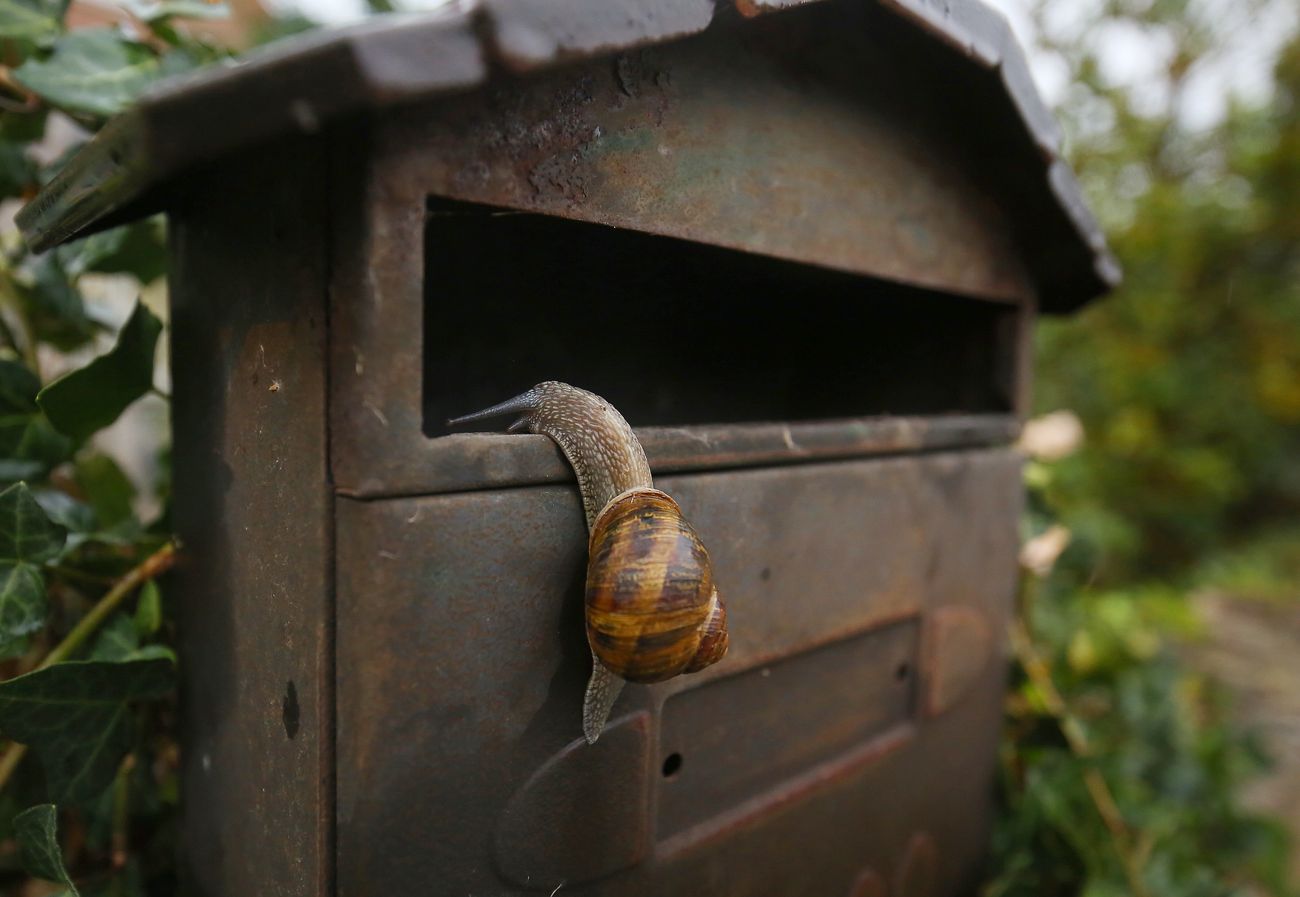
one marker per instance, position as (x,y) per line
(652,609)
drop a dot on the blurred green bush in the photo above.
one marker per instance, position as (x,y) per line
(1122,767)
(1187,381)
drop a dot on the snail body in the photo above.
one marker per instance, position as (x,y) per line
(652,610)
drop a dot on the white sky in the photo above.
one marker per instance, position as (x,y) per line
(1128,54)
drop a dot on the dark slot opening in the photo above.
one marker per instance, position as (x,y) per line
(674,332)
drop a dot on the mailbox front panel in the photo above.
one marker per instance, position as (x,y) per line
(849,733)
(781,255)
(678,229)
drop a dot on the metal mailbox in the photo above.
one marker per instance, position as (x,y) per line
(800,245)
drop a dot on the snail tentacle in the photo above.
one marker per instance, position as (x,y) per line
(595,439)
(524,403)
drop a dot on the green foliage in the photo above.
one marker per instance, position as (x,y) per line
(1267,568)
(1187,380)
(1132,716)
(93,72)
(85,401)
(27,535)
(86,675)
(107,490)
(1121,767)
(75,715)
(50,303)
(37,831)
(148,611)
(27,539)
(22,607)
(35,21)
(154,12)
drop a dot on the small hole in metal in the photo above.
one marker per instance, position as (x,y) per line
(672,765)
(901,671)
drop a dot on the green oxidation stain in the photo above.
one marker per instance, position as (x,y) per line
(628,140)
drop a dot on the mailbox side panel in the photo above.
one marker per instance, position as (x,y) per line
(851,730)
(253,509)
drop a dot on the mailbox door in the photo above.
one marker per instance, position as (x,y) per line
(847,737)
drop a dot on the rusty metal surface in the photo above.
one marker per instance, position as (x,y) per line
(800,137)
(804,712)
(869,884)
(584,814)
(735,351)
(959,646)
(461,664)
(310,82)
(254,513)
(918,869)
(490,460)
(640,143)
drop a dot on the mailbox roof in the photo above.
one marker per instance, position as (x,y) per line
(300,84)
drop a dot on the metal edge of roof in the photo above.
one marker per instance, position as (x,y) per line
(404,57)
(119,163)
(532,33)
(983,34)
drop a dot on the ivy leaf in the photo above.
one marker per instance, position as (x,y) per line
(153,652)
(24,127)
(152,11)
(88,399)
(33,21)
(77,517)
(137,249)
(23,606)
(27,538)
(27,535)
(148,609)
(51,301)
(76,717)
(108,490)
(117,640)
(95,71)
(17,170)
(18,388)
(29,447)
(37,831)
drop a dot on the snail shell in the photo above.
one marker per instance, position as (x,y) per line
(652,609)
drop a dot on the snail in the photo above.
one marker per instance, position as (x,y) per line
(652,610)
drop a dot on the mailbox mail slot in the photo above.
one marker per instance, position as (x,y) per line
(801,251)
